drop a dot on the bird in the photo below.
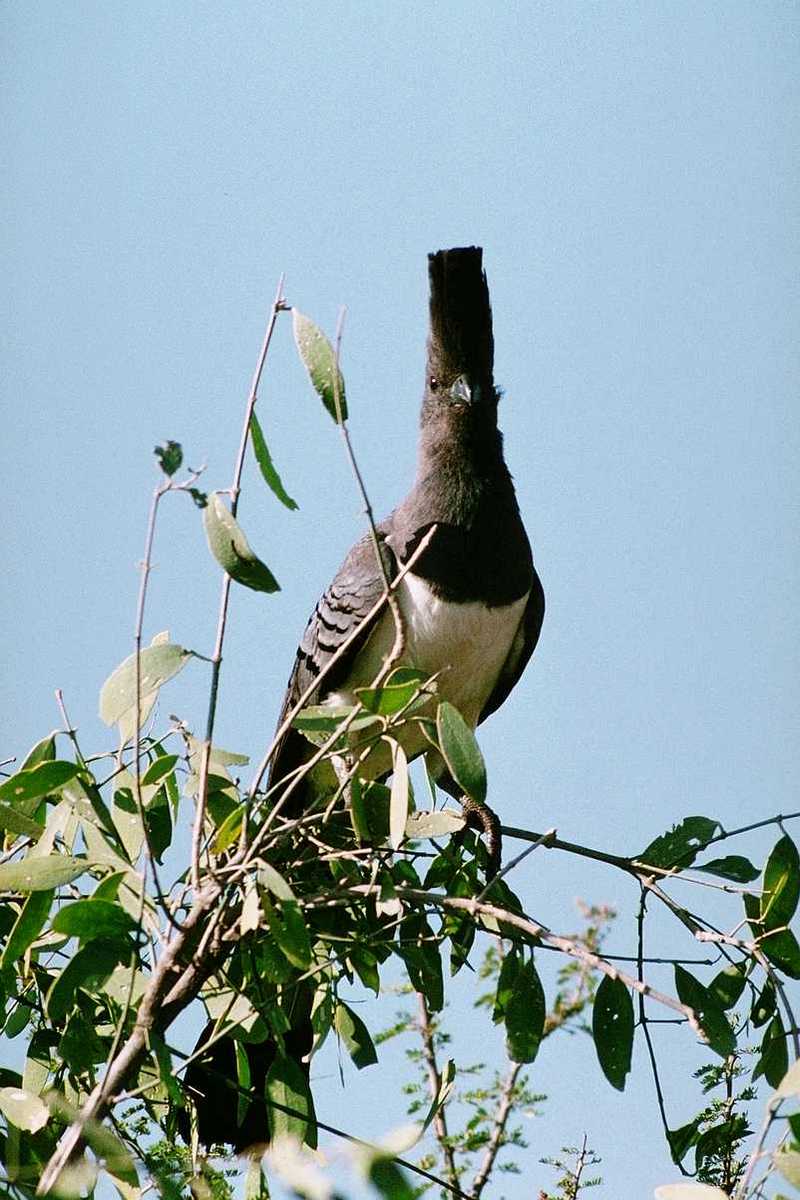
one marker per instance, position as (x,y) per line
(472,605)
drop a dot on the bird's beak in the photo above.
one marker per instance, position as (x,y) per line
(462,393)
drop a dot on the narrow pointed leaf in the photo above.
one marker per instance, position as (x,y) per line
(461,752)
(355,1035)
(157,664)
(41,874)
(290,1108)
(27,927)
(43,751)
(266,465)
(398,803)
(158,769)
(231,549)
(319,360)
(612,1029)
(447,1079)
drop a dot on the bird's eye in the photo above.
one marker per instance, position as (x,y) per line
(433,383)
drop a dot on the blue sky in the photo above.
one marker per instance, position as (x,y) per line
(631,171)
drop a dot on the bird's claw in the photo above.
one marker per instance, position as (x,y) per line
(481,818)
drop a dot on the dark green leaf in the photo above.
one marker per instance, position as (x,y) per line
(763,1006)
(388,1180)
(231,549)
(158,769)
(781,889)
(783,951)
(43,751)
(421,955)
(365,963)
(734,867)
(612,1029)
(35,782)
(525,1014)
(681,844)
(34,874)
(727,986)
(710,1016)
(28,926)
(290,1107)
(461,752)
(681,1140)
(90,919)
(355,1035)
(170,457)
(264,460)
(243,1078)
(17,822)
(720,1139)
(319,359)
(290,932)
(157,664)
(509,970)
(774,1061)
(88,969)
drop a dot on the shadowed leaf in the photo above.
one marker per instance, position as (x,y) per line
(290,1108)
(461,752)
(612,1028)
(525,1012)
(355,1035)
(781,889)
(711,1017)
(680,845)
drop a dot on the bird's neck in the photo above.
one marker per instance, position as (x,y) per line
(460,467)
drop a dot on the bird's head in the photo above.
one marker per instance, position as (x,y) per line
(458,375)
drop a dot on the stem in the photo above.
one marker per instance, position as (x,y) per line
(498,1129)
(278,305)
(435,1084)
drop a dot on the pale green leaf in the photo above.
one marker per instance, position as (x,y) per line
(398,802)
(41,874)
(319,360)
(290,1108)
(433,824)
(461,752)
(231,549)
(157,665)
(24,1110)
(31,784)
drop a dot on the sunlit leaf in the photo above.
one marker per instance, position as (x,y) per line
(43,751)
(461,752)
(710,1016)
(434,824)
(398,802)
(319,359)
(355,1035)
(274,882)
(41,874)
(38,781)
(781,889)
(231,549)
(525,1013)
(612,1029)
(290,1107)
(680,845)
(266,465)
(27,927)
(398,691)
(157,665)
(158,769)
(23,1110)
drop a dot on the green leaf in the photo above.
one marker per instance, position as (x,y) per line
(446,1082)
(782,950)
(326,718)
(434,824)
(43,874)
(23,1110)
(681,1140)
(524,1015)
(158,769)
(88,969)
(774,1060)
(91,919)
(319,360)
(509,969)
(734,867)
(243,1078)
(764,1005)
(17,822)
(264,460)
(27,927)
(681,844)
(461,752)
(290,1107)
(231,549)
(612,1029)
(400,688)
(43,751)
(421,955)
(170,457)
(388,1180)
(355,1035)
(157,664)
(727,986)
(398,802)
(274,882)
(781,889)
(290,932)
(35,782)
(710,1016)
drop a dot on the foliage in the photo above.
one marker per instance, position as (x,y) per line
(111,931)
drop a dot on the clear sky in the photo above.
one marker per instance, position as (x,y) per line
(631,170)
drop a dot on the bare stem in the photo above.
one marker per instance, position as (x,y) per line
(434,1084)
(498,1130)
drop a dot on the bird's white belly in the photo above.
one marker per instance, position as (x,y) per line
(466,645)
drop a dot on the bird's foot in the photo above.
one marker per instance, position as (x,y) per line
(481,818)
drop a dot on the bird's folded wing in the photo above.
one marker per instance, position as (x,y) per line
(340,611)
(521,650)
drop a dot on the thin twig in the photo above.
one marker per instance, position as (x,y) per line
(434,1086)
(498,1130)
(278,305)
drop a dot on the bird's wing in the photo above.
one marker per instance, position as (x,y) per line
(356,587)
(522,648)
